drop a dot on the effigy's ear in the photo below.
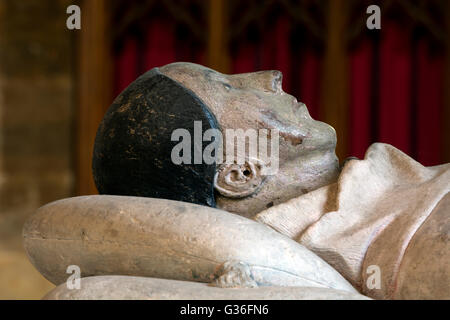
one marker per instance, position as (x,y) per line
(134,153)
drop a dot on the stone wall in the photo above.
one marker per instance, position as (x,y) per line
(36,128)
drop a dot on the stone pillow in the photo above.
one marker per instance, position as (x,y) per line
(149,237)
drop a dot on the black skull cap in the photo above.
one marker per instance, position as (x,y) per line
(132,150)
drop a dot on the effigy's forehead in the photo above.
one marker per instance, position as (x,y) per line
(206,81)
(191,70)
(201,80)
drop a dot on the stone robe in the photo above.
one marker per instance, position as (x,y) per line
(386,211)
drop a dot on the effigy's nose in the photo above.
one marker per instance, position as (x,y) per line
(276,79)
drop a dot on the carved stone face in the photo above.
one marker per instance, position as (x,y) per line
(256,100)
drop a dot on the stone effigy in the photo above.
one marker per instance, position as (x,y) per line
(308,230)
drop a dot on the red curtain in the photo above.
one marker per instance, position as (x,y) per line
(126,65)
(429,95)
(396,81)
(361,84)
(397,94)
(158,45)
(395,88)
(309,74)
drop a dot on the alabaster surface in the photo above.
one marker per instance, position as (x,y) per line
(139,288)
(167,239)
(386,210)
(314,230)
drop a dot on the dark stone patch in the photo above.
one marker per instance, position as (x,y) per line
(269,205)
(293,139)
(136,159)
